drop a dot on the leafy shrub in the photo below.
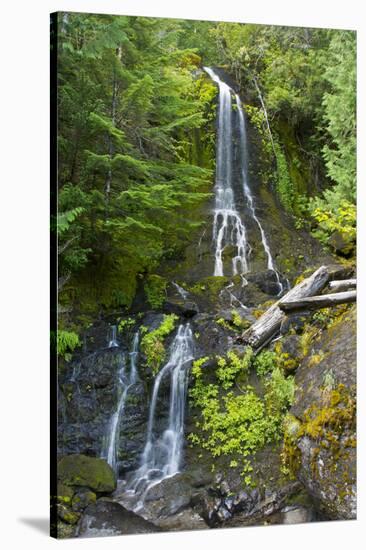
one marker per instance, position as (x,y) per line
(237,425)
(265,362)
(155,290)
(340,218)
(152,343)
(126,324)
(67,341)
(231,367)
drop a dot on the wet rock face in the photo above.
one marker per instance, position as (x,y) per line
(325,408)
(220,505)
(106,518)
(89,393)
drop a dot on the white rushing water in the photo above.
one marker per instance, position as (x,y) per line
(113,343)
(162,454)
(228,227)
(248,193)
(127,377)
(183,293)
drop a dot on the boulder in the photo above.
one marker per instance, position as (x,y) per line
(67,515)
(85,471)
(82,498)
(170,496)
(107,518)
(321,438)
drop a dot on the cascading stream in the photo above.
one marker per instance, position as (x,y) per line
(247,191)
(125,381)
(113,343)
(228,228)
(162,454)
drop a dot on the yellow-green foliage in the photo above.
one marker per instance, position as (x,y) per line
(238,424)
(152,343)
(341,219)
(307,338)
(266,361)
(126,324)
(67,341)
(232,366)
(258,119)
(338,411)
(324,422)
(236,323)
(224,324)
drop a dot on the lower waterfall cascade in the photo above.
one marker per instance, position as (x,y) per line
(125,381)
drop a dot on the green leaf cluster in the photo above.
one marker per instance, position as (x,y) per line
(66,343)
(152,343)
(238,423)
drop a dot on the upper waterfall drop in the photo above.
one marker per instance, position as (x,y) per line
(228,227)
(248,193)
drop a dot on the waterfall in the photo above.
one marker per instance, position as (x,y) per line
(125,381)
(247,191)
(113,343)
(183,293)
(162,454)
(228,228)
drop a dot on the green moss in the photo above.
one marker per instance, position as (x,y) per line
(86,471)
(67,515)
(210,286)
(324,422)
(64,493)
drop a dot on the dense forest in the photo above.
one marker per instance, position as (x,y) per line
(137,153)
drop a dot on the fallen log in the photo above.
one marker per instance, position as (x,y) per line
(269,323)
(343,285)
(319,302)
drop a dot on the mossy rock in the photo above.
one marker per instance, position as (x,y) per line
(86,471)
(64,493)
(82,499)
(67,515)
(211,285)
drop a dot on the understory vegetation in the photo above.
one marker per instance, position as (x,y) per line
(152,343)
(234,419)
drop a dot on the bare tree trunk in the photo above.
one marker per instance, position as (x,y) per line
(318,302)
(263,330)
(343,285)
